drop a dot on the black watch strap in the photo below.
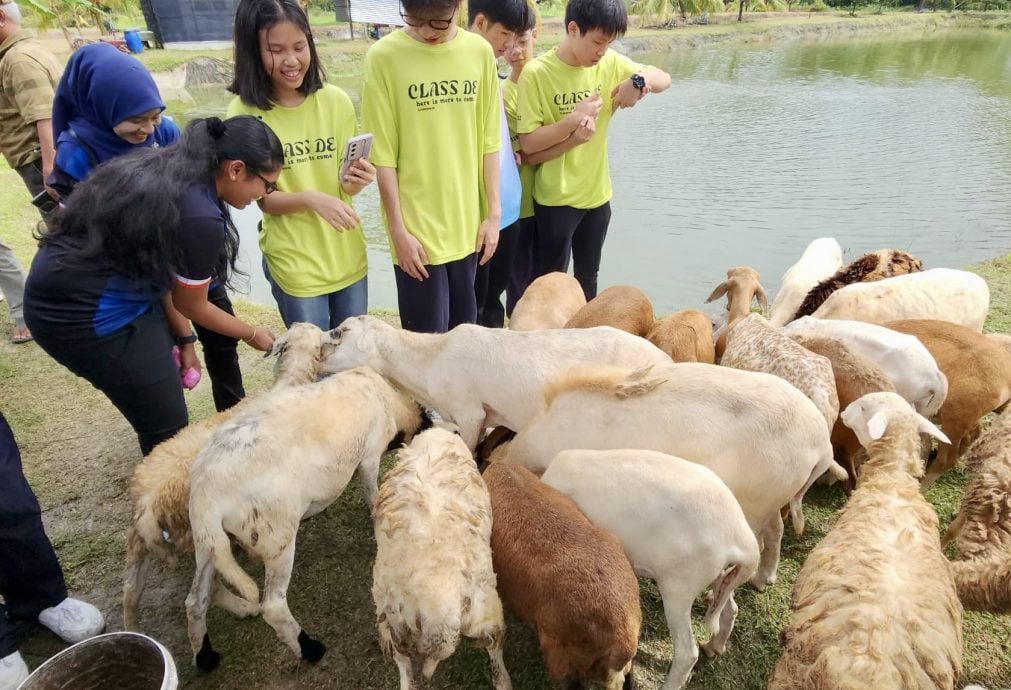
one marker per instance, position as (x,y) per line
(638,81)
(186,339)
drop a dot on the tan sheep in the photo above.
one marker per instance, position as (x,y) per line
(564,576)
(686,335)
(875,605)
(979,381)
(982,527)
(753,345)
(741,286)
(160,484)
(548,302)
(433,579)
(623,307)
(855,376)
(984,585)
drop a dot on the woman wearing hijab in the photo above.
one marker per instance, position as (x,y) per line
(107,105)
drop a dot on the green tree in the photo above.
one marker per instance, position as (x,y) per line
(71,15)
(662,10)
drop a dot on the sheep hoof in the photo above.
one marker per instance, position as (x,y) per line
(312,650)
(711,650)
(207,659)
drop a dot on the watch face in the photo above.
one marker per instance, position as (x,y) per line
(638,81)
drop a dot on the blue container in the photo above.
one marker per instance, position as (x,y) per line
(133,42)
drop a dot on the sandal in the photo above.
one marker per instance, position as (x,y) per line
(21,335)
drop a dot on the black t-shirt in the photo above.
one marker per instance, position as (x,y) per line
(201,237)
(61,295)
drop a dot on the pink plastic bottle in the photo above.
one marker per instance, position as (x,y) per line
(192,376)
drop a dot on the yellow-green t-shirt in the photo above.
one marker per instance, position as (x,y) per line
(434,113)
(306,256)
(549,89)
(510,97)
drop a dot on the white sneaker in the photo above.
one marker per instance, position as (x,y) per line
(73,620)
(13,671)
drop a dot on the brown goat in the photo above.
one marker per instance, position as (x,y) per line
(884,263)
(623,307)
(564,576)
(979,381)
(855,376)
(686,335)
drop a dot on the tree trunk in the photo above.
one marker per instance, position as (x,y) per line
(740,12)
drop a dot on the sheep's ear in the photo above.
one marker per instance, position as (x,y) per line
(763,300)
(924,426)
(718,291)
(877,425)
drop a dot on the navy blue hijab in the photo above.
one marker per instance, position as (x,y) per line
(100,88)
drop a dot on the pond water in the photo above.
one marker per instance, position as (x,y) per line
(756,150)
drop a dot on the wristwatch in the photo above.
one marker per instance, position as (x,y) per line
(186,339)
(639,81)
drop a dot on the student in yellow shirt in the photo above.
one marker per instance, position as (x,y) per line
(431,99)
(312,241)
(566,99)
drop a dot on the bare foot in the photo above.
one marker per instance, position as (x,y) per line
(21,335)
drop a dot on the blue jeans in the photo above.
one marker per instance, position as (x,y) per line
(325,311)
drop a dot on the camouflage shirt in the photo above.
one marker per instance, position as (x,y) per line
(28,77)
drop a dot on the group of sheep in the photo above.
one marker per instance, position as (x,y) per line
(623,449)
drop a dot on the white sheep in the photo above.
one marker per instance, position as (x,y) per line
(903,358)
(855,377)
(941,293)
(433,579)
(679,525)
(875,605)
(281,459)
(479,377)
(160,483)
(758,433)
(820,260)
(753,345)
(548,302)
(884,263)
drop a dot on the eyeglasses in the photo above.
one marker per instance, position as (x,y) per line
(268,186)
(437,24)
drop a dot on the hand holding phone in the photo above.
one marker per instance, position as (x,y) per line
(44,202)
(355,149)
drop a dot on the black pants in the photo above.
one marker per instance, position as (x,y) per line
(522,273)
(492,279)
(30,575)
(31,173)
(221,356)
(563,231)
(133,366)
(441,302)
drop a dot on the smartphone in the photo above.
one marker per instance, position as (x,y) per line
(356,147)
(44,202)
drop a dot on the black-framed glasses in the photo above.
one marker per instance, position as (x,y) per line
(268,186)
(437,24)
